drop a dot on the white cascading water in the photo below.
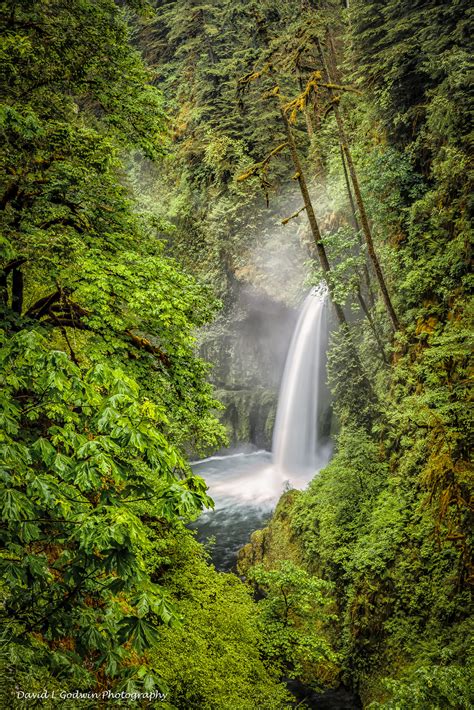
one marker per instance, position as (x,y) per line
(296,446)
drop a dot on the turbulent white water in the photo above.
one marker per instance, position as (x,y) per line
(244,492)
(296,446)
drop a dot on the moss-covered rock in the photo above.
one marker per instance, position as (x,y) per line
(275,542)
(247,347)
(249,415)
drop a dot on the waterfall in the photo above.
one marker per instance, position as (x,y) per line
(296,446)
(246,487)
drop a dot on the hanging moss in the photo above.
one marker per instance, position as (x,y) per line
(249,416)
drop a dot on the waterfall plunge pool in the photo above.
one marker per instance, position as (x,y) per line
(243,503)
(245,488)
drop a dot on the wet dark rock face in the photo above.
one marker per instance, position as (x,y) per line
(247,346)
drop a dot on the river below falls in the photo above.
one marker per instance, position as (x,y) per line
(245,488)
(244,495)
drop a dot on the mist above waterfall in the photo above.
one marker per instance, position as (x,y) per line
(276,259)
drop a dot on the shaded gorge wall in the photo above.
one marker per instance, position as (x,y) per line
(248,345)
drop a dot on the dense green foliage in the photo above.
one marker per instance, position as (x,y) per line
(295,609)
(213,659)
(101,391)
(131,198)
(399,595)
(79,450)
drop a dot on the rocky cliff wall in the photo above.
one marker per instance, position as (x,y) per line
(247,347)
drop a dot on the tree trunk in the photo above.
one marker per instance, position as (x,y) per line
(307,115)
(359,201)
(365,270)
(313,223)
(373,327)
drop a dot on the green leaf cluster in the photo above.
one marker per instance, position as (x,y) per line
(79,452)
(295,612)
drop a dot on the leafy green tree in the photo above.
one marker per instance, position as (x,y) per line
(293,613)
(214,658)
(79,451)
(435,687)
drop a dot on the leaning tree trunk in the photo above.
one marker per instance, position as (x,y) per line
(313,222)
(359,201)
(356,225)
